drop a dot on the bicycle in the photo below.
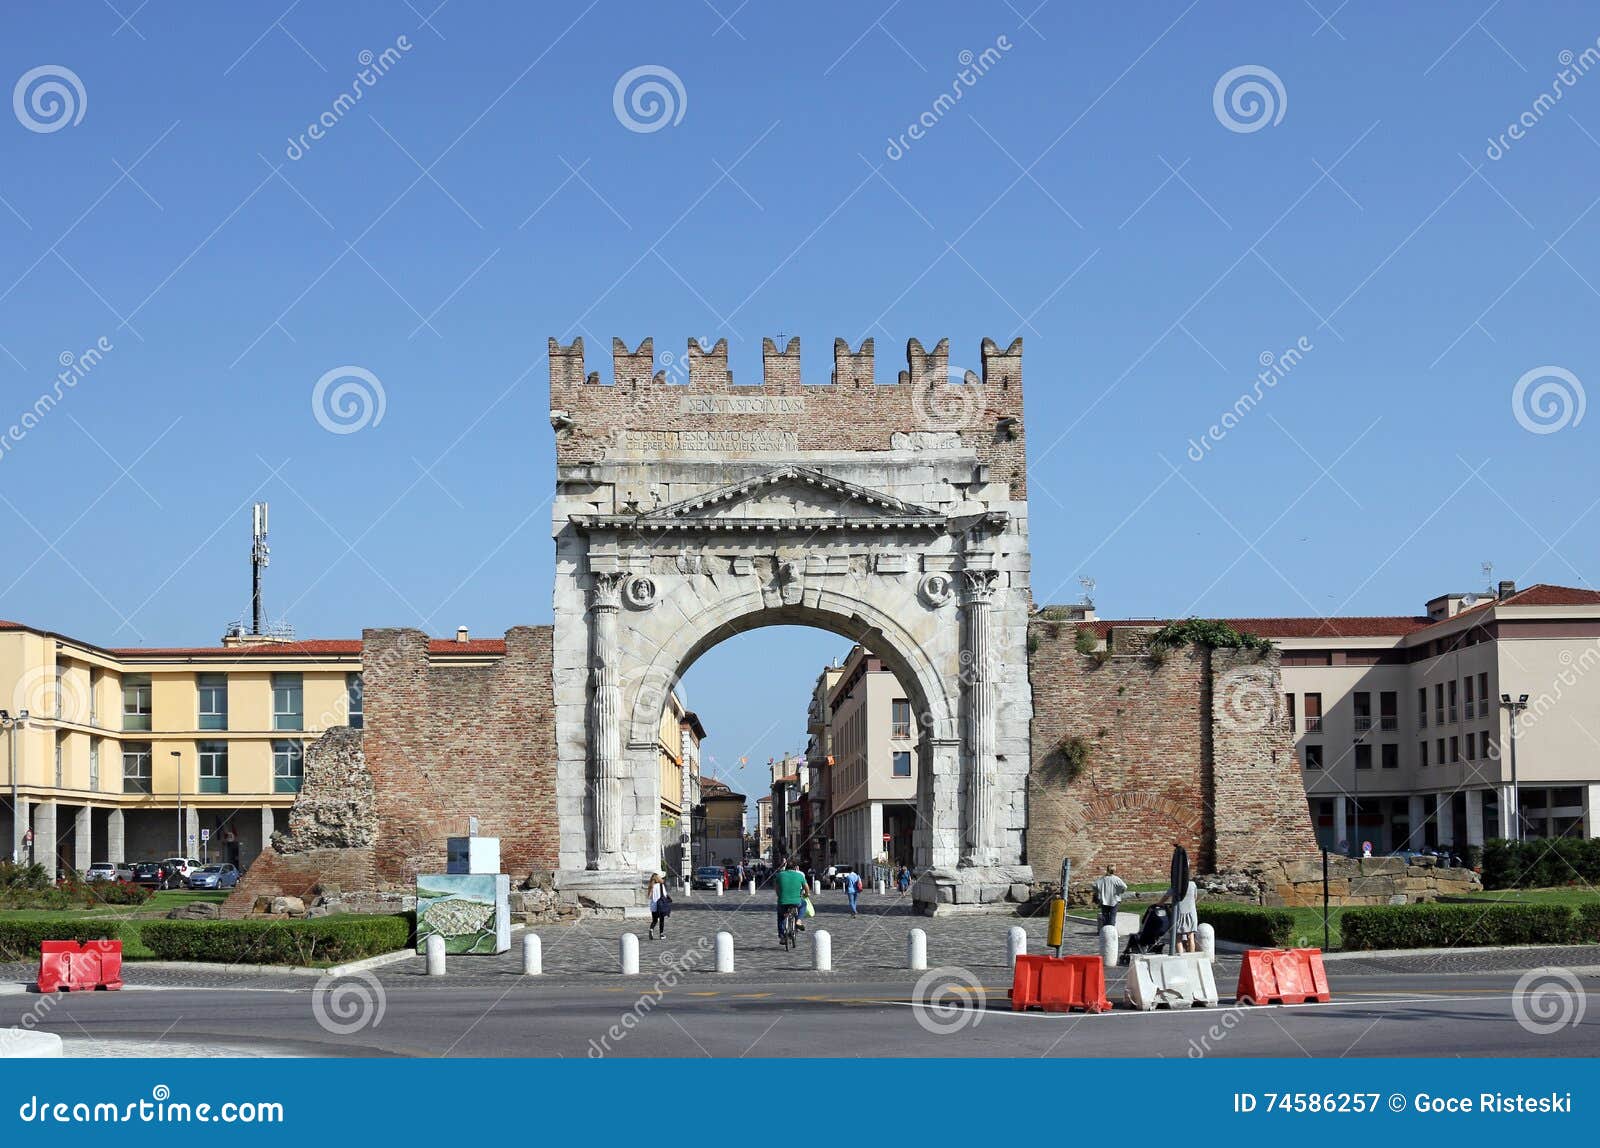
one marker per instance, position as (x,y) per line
(786,927)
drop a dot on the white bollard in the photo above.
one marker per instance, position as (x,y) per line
(822,951)
(1016,944)
(1208,941)
(688,887)
(916,950)
(720,882)
(1108,946)
(816,886)
(532,955)
(724,952)
(628,954)
(752,886)
(882,888)
(434,947)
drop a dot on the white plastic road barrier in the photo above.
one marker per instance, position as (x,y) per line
(822,951)
(1177,981)
(1016,944)
(916,950)
(724,952)
(22,1043)
(628,954)
(434,948)
(532,955)
(1108,946)
(1208,941)
(752,886)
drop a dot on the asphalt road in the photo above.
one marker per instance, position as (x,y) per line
(1371,1015)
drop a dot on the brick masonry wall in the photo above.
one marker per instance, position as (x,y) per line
(300,875)
(852,413)
(1164,764)
(443,743)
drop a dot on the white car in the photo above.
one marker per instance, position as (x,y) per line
(178,870)
(109,871)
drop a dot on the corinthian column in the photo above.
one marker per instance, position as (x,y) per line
(605,721)
(980,843)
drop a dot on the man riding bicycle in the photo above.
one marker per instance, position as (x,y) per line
(790,885)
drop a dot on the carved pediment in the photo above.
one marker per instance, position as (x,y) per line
(786,498)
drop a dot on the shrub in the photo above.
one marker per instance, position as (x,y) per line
(1084,641)
(14,876)
(24,898)
(1589,922)
(1541,864)
(19,940)
(1448,925)
(116,893)
(324,940)
(1206,632)
(1248,924)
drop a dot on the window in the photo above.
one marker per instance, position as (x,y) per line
(1363,757)
(1455,750)
(213,767)
(1313,755)
(1487,746)
(1422,707)
(136,702)
(61,749)
(1363,706)
(213,701)
(136,767)
(1467,697)
(355,701)
(1422,753)
(288,766)
(1438,703)
(94,764)
(900,718)
(1288,704)
(1452,688)
(1439,756)
(1389,710)
(288,702)
(94,697)
(1314,716)
(1483,694)
(1390,755)
(902,763)
(1472,744)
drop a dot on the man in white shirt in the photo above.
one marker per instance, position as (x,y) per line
(1108,893)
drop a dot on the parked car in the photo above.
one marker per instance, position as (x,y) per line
(149,873)
(109,871)
(707,876)
(178,870)
(221,876)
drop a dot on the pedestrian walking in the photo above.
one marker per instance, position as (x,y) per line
(660,904)
(1185,917)
(904,880)
(1108,894)
(852,890)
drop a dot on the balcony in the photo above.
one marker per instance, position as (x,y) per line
(1313,723)
(1363,723)
(1389,723)
(1452,715)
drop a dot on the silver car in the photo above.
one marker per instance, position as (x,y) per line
(109,871)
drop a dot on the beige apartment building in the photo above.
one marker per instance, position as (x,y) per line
(872,781)
(682,823)
(1402,735)
(724,819)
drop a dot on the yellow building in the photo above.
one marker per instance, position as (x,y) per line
(104,747)
(678,750)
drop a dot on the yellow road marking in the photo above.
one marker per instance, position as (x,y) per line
(750,996)
(703,994)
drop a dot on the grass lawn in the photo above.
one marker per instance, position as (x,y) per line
(1565,895)
(129,918)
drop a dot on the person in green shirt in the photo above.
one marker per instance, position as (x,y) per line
(790,885)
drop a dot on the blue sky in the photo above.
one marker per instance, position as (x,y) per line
(1086,193)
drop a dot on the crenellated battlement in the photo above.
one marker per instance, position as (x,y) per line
(693,407)
(780,366)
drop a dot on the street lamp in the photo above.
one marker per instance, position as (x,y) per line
(1514,708)
(10,724)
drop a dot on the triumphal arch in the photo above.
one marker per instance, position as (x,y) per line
(690,506)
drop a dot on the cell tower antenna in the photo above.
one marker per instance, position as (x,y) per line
(259,556)
(1088,590)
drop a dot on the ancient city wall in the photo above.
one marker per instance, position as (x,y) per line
(1132,753)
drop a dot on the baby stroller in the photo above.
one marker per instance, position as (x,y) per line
(1152,934)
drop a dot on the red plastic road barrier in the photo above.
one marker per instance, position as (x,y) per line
(1286,976)
(1059,984)
(69,965)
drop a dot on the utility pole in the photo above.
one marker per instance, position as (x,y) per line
(177,769)
(11,723)
(1513,708)
(258,562)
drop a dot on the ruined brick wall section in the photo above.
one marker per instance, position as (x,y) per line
(444,743)
(335,807)
(851,413)
(274,874)
(1259,792)
(1143,786)
(1192,748)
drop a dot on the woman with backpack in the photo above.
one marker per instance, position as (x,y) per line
(660,904)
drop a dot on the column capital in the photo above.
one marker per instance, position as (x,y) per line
(608,589)
(980,586)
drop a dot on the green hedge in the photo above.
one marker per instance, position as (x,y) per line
(324,940)
(1541,864)
(1443,926)
(1248,924)
(19,940)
